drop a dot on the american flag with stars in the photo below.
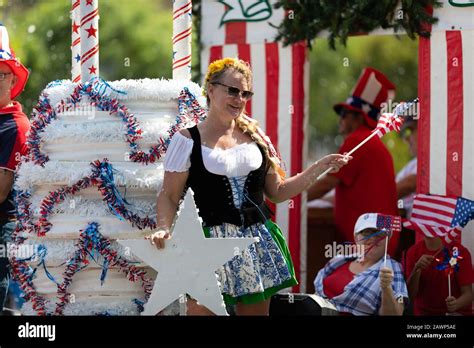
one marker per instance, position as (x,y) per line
(389,223)
(440,216)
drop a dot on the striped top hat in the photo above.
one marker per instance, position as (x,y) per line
(7,56)
(372,90)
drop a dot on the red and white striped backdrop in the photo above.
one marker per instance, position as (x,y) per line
(281,79)
(446,125)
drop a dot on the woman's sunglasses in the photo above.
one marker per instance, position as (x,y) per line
(235,92)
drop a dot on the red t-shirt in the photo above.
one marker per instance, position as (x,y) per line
(433,289)
(367,185)
(13,128)
(335,283)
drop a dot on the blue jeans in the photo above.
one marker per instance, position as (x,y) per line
(6,231)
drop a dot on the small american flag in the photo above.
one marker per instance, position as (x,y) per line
(387,123)
(440,216)
(389,223)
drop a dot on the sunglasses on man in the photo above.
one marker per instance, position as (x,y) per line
(235,92)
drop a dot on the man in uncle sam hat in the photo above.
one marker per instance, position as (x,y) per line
(367,183)
(13,128)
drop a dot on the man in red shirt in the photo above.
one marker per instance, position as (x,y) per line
(13,128)
(367,183)
(428,286)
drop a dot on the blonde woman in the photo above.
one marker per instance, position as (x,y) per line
(231,166)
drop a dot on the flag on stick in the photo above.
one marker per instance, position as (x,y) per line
(386,123)
(440,216)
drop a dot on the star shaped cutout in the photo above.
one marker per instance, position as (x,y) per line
(75,27)
(93,69)
(89,2)
(188,262)
(91,31)
(77,57)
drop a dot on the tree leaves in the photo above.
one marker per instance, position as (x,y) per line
(309,18)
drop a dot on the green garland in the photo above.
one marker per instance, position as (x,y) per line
(307,18)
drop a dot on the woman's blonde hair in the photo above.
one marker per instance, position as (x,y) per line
(218,68)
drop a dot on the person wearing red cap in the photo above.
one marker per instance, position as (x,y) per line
(13,128)
(367,184)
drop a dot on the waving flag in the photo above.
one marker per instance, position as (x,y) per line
(440,216)
(446,119)
(387,123)
(389,223)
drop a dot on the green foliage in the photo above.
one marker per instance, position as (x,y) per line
(308,18)
(334,74)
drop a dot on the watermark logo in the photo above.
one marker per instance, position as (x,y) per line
(81,109)
(22,251)
(37,331)
(391,106)
(346,249)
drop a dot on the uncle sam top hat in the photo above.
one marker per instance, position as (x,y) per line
(371,90)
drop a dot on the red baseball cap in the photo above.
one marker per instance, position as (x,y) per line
(7,56)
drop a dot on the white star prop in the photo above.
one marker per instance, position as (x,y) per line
(188,262)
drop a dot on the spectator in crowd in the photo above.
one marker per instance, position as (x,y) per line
(362,284)
(13,128)
(428,286)
(367,184)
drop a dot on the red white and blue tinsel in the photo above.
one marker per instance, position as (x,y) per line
(189,111)
(90,241)
(102,177)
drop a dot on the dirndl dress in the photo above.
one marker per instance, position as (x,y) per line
(265,267)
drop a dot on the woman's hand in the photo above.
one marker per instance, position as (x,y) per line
(158,238)
(335,161)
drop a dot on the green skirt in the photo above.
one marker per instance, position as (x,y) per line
(279,240)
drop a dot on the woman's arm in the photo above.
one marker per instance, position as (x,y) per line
(279,190)
(167,204)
